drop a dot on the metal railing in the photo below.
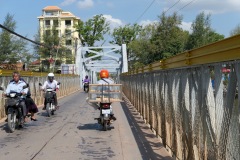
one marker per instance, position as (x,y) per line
(69,84)
(190,102)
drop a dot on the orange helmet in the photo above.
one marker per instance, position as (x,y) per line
(104,73)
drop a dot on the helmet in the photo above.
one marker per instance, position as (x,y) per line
(104,73)
(86,77)
(50,77)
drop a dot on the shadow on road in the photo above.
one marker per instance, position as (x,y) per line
(143,144)
(92,126)
(4,127)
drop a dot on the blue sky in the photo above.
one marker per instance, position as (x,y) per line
(225,14)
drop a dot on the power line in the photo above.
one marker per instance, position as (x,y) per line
(145,11)
(171,6)
(186,5)
(40,44)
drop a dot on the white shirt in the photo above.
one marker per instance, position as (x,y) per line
(16,87)
(107,81)
(48,84)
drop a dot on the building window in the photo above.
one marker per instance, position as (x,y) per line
(56,32)
(48,32)
(47,22)
(68,22)
(69,42)
(51,13)
(55,23)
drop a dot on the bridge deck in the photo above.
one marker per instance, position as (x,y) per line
(74,134)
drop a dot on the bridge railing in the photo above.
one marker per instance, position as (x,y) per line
(69,84)
(191,100)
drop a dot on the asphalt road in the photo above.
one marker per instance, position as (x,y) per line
(72,133)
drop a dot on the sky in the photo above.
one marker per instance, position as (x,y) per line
(225,14)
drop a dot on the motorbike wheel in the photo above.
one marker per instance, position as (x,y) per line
(12,121)
(48,110)
(105,125)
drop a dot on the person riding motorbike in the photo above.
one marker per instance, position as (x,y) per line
(86,80)
(17,86)
(52,83)
(30,104)
(104,75)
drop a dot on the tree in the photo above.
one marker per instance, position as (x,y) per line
(92,30)
(126,35)
(235,31)
(169,39)
(142,48)
(11,47)
(51,48)
(202,33)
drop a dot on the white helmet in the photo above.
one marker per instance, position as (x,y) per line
(50,77)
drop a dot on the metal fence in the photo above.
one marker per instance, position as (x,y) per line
(195,109)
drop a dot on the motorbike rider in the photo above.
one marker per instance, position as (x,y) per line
(52,83)
(17,86)
(104,75)
(28,100)
(86,80)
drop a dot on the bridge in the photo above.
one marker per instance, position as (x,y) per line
(189,103)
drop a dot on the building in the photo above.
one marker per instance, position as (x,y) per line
(63,22)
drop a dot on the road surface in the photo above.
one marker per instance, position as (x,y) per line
(72,133)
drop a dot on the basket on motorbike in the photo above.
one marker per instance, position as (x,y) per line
(105,93)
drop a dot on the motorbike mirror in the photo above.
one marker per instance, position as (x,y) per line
(58,83)
(40,84)
(26,86)
(1,88)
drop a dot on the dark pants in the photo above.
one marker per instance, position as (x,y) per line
(23,106)
(85,86)
(55,99)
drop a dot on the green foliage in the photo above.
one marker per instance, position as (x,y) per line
(235,31)
(12,48)
(52,44)
(158,40)
(202,33)
(142,49)
(126,35)
(92,30)
(169,38)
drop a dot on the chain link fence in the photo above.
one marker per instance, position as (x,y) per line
(195,110)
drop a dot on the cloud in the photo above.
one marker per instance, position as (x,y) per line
(85,4)
(186,26)
(146,22)
(212,6)
(67,2)
(114,23)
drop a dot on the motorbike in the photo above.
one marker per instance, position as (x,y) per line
(86,86)
(14,110)
(49,98)
(105,118)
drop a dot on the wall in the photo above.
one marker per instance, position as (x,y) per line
(69,84)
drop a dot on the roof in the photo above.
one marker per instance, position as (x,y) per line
(52,8)
(35,62)
(67,14)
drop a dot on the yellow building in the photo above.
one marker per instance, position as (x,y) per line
(63,21)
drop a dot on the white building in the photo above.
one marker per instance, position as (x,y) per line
(63,21)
